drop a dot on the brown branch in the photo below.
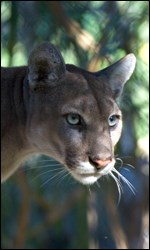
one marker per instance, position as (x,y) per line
(83,38)
(13,30)
(115,224)
(23,217)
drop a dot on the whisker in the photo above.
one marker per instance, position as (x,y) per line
(89,189)
(43,166)
(129,165)
(45,172)
(124,156)
(118,186)
(118,159)
(127,169)
(97,183)
(50,160)
(126,181)
(64,175)
(54,176)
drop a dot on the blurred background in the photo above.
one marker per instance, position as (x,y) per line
(47,210)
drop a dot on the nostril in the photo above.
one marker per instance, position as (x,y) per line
(103,163)
(100,163)
(94,163)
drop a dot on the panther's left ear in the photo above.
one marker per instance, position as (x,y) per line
(118,73)
(46,66)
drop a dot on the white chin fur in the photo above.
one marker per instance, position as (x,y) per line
(87,180)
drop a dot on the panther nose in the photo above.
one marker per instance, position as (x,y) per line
(100,163)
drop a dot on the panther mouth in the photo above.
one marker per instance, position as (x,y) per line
(87,174)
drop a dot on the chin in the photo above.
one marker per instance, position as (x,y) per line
(88,180)
(85,180)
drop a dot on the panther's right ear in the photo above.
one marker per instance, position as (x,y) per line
(118,73)
(46,66)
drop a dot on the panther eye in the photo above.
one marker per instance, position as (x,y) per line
(73,119)
(113,120)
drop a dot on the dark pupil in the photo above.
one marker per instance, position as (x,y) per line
(112,118)
(74,117)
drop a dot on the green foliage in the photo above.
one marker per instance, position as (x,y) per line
(115,28)
(90,34)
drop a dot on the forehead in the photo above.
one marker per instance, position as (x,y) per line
(86,94)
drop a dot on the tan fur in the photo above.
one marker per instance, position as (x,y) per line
(36,101)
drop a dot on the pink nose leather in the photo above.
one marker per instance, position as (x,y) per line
(102,163)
